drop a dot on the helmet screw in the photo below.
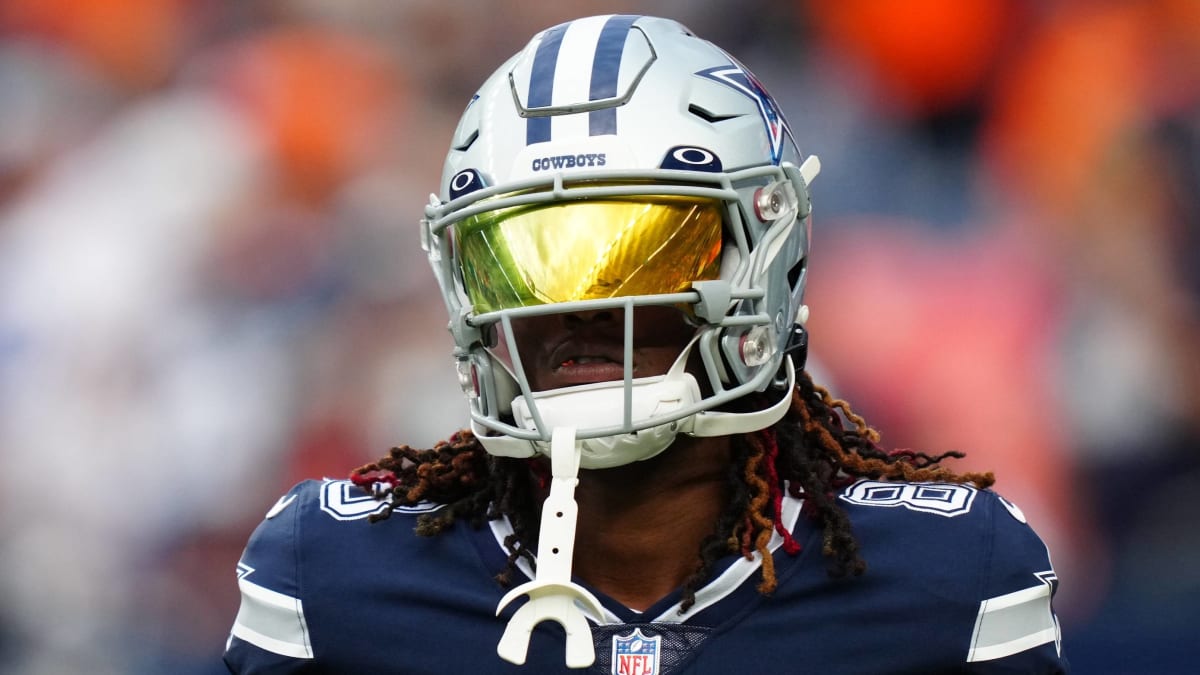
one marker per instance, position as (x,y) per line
(770,202)
(755,346)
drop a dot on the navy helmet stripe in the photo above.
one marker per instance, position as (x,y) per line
(541,84)
(606,66)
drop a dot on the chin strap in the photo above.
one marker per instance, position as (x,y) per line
(552,594)
(716,423)
(608,451)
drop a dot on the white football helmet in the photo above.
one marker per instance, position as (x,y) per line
(619,162)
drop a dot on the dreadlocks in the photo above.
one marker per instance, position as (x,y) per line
(811,452)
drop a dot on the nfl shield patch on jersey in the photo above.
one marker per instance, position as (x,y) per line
(636,654)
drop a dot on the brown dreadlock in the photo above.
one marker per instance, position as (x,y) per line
(811,452)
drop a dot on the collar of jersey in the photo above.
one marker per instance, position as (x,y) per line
(732,587)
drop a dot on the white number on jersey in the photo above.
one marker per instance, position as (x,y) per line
(943,499)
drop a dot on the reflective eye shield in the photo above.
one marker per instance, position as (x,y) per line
(605,247)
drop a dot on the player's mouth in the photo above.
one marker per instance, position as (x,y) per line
(586,367)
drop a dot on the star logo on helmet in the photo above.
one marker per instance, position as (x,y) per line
(742,80)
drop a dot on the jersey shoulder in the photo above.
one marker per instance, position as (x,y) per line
(313,544)
(323,515)
(972,548)
(949,518)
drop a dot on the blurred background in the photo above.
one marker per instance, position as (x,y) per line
(211,286)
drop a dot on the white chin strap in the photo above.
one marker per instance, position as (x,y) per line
(602,405)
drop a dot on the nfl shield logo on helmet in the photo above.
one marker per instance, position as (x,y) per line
(636,654)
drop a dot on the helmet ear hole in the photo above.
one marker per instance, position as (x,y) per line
(797,271)
(489,336)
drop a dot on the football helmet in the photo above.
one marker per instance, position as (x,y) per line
(619,162)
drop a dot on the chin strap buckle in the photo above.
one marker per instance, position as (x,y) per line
(552,594)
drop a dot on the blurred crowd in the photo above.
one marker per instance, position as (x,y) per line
(211,285)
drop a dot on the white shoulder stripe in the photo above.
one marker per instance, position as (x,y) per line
(1013,622)
(273,621)
(1011,647)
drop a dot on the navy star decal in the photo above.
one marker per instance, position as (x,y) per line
(740,79)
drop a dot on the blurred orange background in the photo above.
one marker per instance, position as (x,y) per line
(211,284)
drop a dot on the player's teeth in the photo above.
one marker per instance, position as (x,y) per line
(578,360)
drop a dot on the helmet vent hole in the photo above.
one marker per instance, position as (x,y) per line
(468,142)
(707,116)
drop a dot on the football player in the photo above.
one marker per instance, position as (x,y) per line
(650,482)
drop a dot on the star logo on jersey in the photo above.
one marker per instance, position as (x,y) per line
(244,570)
(740,79)
(280,505)
(1050,578)
(636,654)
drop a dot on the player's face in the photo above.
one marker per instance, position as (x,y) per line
(586,347)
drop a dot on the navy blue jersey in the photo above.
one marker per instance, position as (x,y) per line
(956,582)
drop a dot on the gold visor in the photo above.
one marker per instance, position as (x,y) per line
(586,250)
